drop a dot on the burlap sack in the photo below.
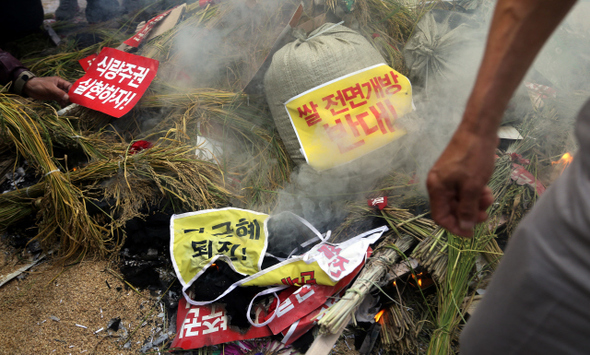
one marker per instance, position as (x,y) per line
(328,53)
(442,49)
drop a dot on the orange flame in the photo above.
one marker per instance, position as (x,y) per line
(378,315)
(564,161)
(422,281)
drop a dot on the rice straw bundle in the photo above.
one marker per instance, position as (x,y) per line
(432,254)
(388,24)
(394,16)
(14,208)
(335,318)
(64,211)
(255,156)
(400,220)
(399,332)
(168,171)
(462,253)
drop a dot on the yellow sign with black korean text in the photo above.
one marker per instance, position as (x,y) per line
(346,118)
(199,238)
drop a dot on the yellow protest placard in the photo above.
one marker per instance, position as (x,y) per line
(199,238)
(295,272)
(348,117)
(324,264)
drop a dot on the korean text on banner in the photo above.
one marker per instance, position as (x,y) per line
(348,117)
(136,40)
(199,238)
(324,264)
(199,326)
(305,299)
(115,82)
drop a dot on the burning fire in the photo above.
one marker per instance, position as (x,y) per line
(564,161)
(378,315)
(422,281)
(419,279)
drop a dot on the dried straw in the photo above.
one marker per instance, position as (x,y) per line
(337,316)
(64,206)
(462,254)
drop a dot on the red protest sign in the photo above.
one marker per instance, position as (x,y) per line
(199,326)
(380,202)
(296,305)
(115,82)
(136,40)
(87,62)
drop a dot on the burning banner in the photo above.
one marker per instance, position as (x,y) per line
(199,326)
(240,237)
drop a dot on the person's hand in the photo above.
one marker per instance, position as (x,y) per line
(457,182)
(48,88)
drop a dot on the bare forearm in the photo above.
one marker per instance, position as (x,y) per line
(518,31)
(457,181)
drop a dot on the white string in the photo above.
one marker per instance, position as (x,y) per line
(310,226)
(325,30)
(272,290)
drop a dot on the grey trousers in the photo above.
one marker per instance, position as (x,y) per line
(539,299)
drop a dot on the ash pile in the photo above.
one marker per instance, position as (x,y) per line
(262,170)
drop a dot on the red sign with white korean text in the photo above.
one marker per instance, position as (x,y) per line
(115,82)
(136,40)
(198,326)
(380,202)
(306,299)
(87,62)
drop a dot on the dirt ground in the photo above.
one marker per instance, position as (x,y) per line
(60,310)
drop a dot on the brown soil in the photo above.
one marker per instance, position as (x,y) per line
(86,294)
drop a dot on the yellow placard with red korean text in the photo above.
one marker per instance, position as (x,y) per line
(346,118)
